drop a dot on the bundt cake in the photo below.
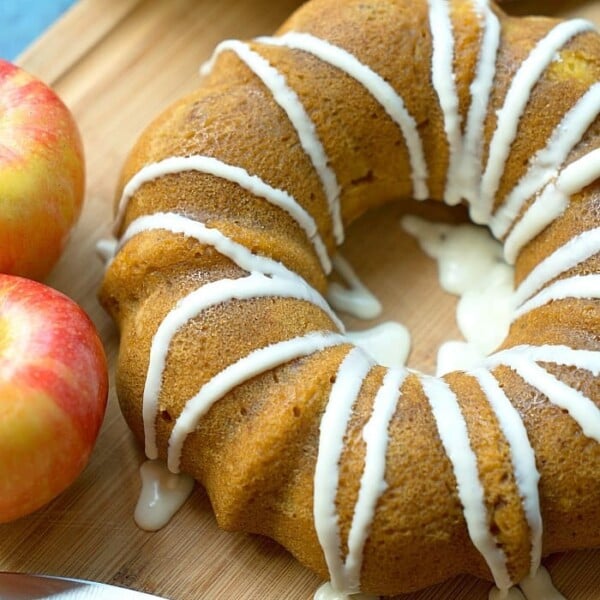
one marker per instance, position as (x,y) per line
(235,370)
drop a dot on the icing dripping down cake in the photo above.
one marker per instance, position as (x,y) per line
(234,368)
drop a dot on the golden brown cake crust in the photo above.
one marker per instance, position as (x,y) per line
(255,450)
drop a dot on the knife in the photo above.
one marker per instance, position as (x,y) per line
(22,586)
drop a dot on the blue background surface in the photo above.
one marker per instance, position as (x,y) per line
(22,21)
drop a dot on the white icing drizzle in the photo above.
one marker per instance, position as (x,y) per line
(578,405)
(442,75)
(523,462)
(481,87)
(255,363)
(252,183)
(372,483)
(356,300)
(454,435)
(388,344)
(281,278)
(256,285)
(547,207)
(580,173)
(334,422)
(552,353)
(552,202)
(376,85)
(163,493)
(581,409)
(544,165)
(511,111)
(578,286)
(209,236)
(575,251)
(288,100)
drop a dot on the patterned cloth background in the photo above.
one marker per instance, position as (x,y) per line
(22,21)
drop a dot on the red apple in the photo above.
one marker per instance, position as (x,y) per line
(41,174)
(53,390)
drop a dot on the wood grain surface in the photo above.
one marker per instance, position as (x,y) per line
(116,63)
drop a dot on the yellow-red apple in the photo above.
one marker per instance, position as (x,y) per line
(41,174)
(53,390)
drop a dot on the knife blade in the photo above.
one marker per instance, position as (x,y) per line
(23,586)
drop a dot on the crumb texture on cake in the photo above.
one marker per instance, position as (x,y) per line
(233,368)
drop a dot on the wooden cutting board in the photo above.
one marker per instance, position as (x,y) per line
(116,63)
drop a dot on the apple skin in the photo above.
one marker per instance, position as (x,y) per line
(53,392)
(42,174)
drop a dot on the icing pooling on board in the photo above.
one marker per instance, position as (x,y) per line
(163,494)
(388,344)
(470,265)
(540,587)
(327,592)
(513,593)
(552,202)
(553,191)
(534,587)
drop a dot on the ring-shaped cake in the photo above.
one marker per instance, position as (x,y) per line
(234,369)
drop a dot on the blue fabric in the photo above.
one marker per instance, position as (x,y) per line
(22,21)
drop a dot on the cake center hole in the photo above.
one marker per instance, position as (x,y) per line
(406,254)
